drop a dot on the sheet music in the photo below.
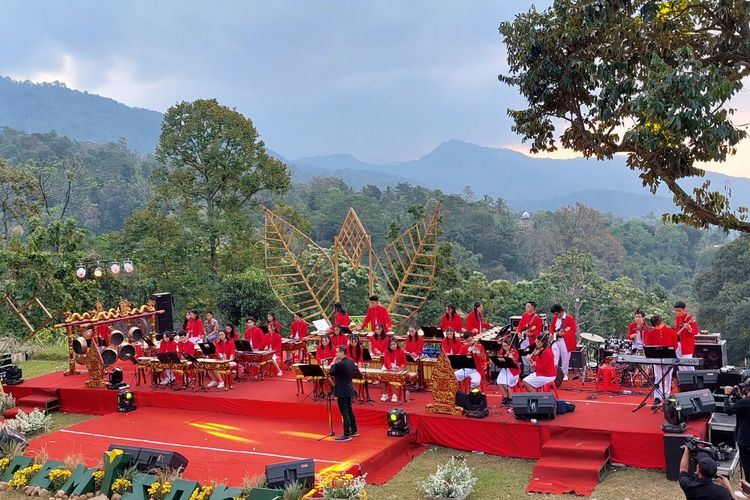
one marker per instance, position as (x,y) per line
(321,325)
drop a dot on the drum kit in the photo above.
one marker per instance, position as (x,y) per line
(603,351)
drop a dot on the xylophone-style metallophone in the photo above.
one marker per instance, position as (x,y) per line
(255,358)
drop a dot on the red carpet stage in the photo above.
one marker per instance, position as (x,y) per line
(269,419)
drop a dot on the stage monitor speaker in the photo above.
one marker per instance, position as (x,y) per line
(578,358)
(145,459)
(693,405)
(11,436)
(698,379)
(673,453)
(164,322)
(538,405)
(714,355)
(282,474)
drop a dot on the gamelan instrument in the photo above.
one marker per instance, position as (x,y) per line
(291,344)
(221,366)
(260,358)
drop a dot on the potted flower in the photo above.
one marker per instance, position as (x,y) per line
(343,486)
(451,480)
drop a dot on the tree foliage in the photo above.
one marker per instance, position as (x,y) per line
(646,78)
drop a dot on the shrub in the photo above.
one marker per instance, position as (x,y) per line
(452,480)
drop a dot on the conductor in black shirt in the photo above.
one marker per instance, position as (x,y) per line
(738,403)
(342,369)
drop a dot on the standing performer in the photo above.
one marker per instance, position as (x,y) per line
(451,319)
(475,320)
(341,317)
(377,314)
(661,335)
(507,378)
(450,344)
(637,329)
(342,370)
(563,332)
(530,325)
(414,343)
(476,351)
(687,329)
(543,362)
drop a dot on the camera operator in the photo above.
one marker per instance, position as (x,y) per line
(738,403)
(701,484)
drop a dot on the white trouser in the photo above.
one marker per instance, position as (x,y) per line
(560,350)
(665,388)
(680,355)
(471,373)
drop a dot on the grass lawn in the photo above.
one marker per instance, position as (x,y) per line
(49,360)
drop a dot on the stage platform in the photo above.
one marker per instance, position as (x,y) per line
(271,413)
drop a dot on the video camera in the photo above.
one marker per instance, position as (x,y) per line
(719,453)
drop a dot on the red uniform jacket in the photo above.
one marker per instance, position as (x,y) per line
(473,323)
(663,337)
(415,346)
(103,332)
(356,355)
(323,353)
(337,340)
(277,325)
(479,358)
(299,329)
(687,336)
(377,314)
(534,323)
(227,348)
(398,357)
(256,337)
(378,346)
(272,342)
(451,347)
(186,347)
(168,345)
(342,320)
(456,323)
(544,363)
(633,330)
(194,328)
(514,354)
(567,331)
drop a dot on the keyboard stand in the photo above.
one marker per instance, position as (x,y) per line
(654,386)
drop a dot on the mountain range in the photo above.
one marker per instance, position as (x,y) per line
(526,183)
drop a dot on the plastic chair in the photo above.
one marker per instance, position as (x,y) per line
(551,387)
(606,379)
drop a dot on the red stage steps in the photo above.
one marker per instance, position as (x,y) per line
(572,461)
(44,399)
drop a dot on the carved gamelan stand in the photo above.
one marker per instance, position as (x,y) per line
(444,388)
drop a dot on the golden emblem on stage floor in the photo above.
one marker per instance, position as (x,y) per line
(444,388)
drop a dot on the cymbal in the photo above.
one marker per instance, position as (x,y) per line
(592,337)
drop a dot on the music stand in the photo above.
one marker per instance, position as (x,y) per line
(366,356)
(264,329)
(190,357)
(432,332)
(506,362)
(462,362)
(490,345)
(208,348)
(243,346)
(315,373)
(168,357)
(345,330)
(656,352)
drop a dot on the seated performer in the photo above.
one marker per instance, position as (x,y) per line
(637,329)
(474,349)
(167,344)
(230,332)
(530,325)
(377,314)
(451,319)
(475,320)
(355,351)
(225,350)
(378,341)
(271,318)
(325,352)
(686,328)
(661,335)
(185,347)
(563,330)
(255,335)
(450,344)
(298,331)
(543,363)
(341,317)
(507,378)
(272,342)
(394,360)
(193,327)
(339,337)
(414,343)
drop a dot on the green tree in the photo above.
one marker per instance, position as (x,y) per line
(17,199)
(248,294)
(649,79)
(212,165)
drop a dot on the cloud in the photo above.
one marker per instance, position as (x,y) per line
(65,72)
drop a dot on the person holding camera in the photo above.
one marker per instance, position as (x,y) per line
(701,485)
(738,403)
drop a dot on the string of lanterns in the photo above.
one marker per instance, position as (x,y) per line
(101,268)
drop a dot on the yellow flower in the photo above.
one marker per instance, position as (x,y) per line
(114,454)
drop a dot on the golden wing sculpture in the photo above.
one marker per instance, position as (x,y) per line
(355,245)
(301,273)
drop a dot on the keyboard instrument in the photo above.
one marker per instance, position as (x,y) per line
(643,360)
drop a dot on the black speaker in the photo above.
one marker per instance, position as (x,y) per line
(282,474)
(578,358)
(689,406)
(145,459)
(698,379)
(537,405)
(8,436)
(164,322)
(673,453)
(714,355)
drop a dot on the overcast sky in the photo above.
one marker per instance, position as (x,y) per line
(385,80)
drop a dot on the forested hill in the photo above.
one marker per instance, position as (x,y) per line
(79,115)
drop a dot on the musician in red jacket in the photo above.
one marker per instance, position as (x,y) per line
(225,350)
(686,328)
(563,330)
(185,347)
(355,350)
(325,351)
(507,378)
(272,342)
(637,329)
(255,335)
(271,318)
(339,337)
(377,314)
(167,344)
(230,332)
(341,317)
(530,325)
(298,331)
(394,359)
(378,341)
(543,362)
(193,327)
(475,320)
(473,348)
(451,319)
(451,345)
(661,335)
(103,331)
(414,343)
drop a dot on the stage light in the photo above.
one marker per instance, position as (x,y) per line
(12,375)
(115,379)
(398,423)
(98,272)
(115,268)
(81,271)
(125,401)
(477,407)
(127,265)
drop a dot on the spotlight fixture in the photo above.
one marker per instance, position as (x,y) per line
(477,407)
(125,401)
(115,380)
(127,265)
(115,267)
(98,272)
(397,423)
